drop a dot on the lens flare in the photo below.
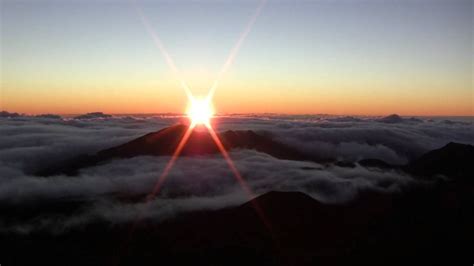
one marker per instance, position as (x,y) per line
(200,112)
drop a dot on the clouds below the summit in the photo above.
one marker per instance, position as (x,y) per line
(193,184)
(202,182)
(353,139)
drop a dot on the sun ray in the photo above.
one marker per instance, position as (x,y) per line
(230,163)
(171,162)
(156,188)
(203,111)
(187,90)
(236,48)
(240,179)
(159,44)
(170,62)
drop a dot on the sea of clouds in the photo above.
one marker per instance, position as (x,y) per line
(29,143)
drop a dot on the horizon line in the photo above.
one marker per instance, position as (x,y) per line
(233,113)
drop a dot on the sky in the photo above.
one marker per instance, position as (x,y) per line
(411,57)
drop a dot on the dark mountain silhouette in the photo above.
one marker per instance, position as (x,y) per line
(200,142)
(300,230)
(6,114)
(391,119)
(395,119)
(453,160)
(375,163)
(165,141)
(93,115)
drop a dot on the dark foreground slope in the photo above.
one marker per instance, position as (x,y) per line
(454,160)
(429,226)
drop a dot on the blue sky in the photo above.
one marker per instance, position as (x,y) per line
(299,54)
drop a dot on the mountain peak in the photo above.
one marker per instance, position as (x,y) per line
(393,118)
(165,141)
(453,160)
(93,115)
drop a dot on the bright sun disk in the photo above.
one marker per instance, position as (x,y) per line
(200,111)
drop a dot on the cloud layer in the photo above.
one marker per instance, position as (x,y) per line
(109,192)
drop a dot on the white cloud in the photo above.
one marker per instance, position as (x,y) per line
(200,182)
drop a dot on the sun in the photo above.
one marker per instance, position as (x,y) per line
(200,112)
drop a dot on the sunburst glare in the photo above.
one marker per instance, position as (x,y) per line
(200,112)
